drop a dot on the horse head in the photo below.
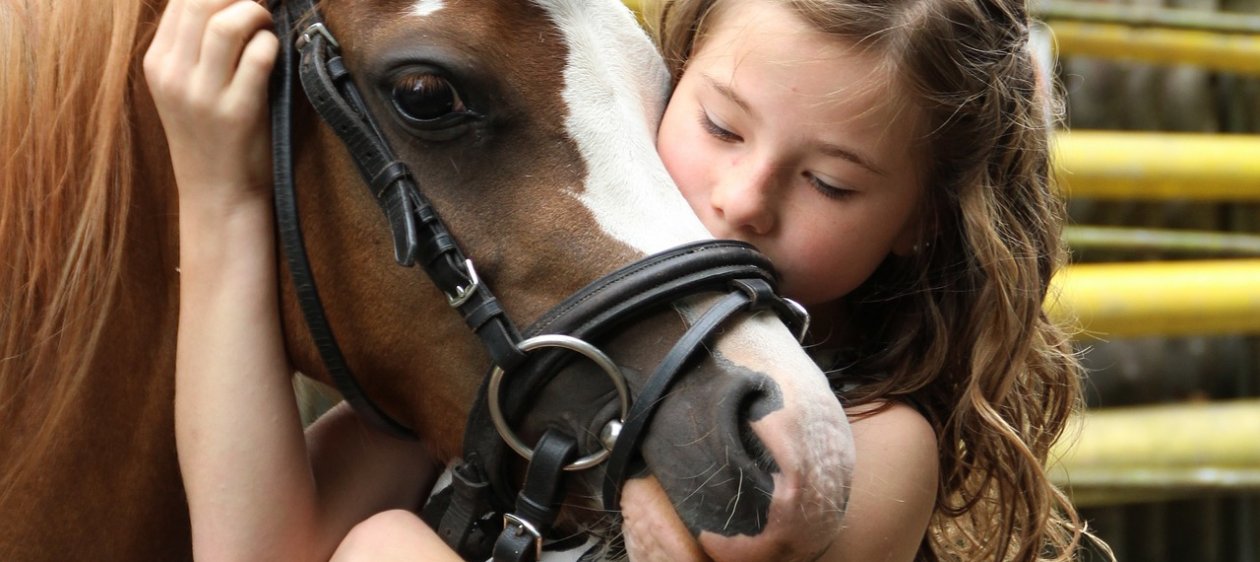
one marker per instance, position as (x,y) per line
(530,128)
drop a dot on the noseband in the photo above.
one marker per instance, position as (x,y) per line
(479,504)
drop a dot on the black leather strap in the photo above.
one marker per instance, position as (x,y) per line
(629,293)
(290,230)
(463,525)
(536,505)
(418,232)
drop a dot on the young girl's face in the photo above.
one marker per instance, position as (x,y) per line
(785,137)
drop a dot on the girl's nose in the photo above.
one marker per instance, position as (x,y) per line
(742,199)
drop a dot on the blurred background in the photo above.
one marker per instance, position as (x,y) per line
(1161,168)
(1162,173)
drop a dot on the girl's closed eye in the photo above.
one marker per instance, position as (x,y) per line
(717,130)
(828,190)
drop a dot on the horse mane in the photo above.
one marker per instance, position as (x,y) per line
(66,145)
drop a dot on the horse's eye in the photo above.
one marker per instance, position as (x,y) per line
(426,98)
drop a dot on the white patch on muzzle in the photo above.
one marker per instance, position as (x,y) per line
(616,87)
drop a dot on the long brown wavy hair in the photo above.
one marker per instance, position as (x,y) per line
(958,328)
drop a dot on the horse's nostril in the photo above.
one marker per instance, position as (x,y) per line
(754,406)
(720,477)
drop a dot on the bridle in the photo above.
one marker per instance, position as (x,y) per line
(480,504)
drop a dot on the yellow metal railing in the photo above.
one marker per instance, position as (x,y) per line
(1213,40)
(1145,15)
(1231,52)
(1126,454)
(1124,165)
(1160,298)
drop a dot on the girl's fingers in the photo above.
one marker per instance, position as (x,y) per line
(192,24)
(167,25)
(250,83)
(224,41)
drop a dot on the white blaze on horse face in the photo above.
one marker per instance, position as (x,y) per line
(616,87)
(427,7)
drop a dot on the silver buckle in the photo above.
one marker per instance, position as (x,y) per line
(804,314)
(522,527)
(462,294)
(317,27)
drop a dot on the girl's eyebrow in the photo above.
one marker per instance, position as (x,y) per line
(728,93)
(837,151)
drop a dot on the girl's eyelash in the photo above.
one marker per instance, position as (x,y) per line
(715,130)
(827,190)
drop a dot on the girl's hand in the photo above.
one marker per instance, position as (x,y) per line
(207,69)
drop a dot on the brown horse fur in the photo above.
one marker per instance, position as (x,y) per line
(88,321)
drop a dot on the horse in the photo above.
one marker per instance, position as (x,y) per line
(542,163)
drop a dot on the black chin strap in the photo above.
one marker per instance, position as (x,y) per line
(525,529)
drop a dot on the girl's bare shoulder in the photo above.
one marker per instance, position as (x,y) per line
(894,484)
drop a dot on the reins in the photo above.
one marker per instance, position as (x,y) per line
(481,504)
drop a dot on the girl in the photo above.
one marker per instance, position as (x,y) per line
(949,329)
(889,155)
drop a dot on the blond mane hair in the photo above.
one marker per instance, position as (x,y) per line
(65,188)
(958,329)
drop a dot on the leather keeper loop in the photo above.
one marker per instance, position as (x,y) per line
(501,339)
(387,176)
(437,246)
(337,69)
(482,313)
(426,214)
(760,294)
